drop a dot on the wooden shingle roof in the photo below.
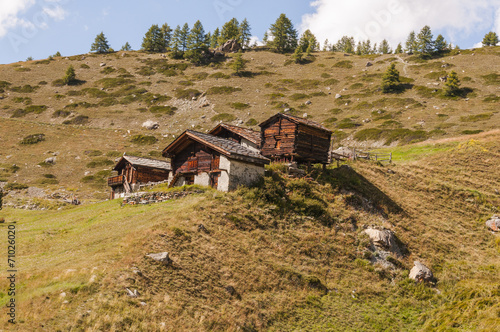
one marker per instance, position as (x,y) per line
(297,120)
(229,148)
(249,134)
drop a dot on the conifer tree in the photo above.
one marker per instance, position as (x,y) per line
(440,44)
(238,64)
(154,40)
(176,39)
(167,35)
(126,47)
(425,44)
(411,43)
(70,76)
(197,42)
(100,44)
(184,36)
(490,39)
(390,80)
(346,44)
(214,40)
(359,48)
(284,35)
(230,30)
(452,85)
(399,49)
(297,55)
(265,40)
(326,45)
(308,39)
(245,33)
(384,47)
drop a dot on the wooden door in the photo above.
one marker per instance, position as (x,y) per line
(214,180)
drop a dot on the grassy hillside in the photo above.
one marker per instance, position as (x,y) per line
(266,263)
(91,123)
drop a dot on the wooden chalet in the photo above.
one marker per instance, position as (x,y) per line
(246,137)
(208,160)
(134,171)
(290,138)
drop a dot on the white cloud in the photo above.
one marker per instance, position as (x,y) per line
(9,12)
(395,19)
(255,39)
(55,12)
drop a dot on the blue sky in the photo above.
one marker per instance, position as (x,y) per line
(39,28)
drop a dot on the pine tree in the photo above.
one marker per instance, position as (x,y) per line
(100,44)
(425,44)
(176,39)
(326,45)
(399,49)
(390,80)
(384,47)
(440,45)
(197,42)
(126,47)
(284,35)
(346,44)
(265,40)
(230,30)
(452,85)
(308,39)
(70,76)
(214,41)
(167,35)
(490,39)
(245,33)
(238,64)
(154,40)
(57,54)
(359,48)
(411,43)
(298,55)
(366,47)
(184,36)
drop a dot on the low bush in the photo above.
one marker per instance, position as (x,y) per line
(187,93)
(239,106)
(33,139)
(100,162)
(143,139)
(169,110)
(218,90)
(224,117)
(77,120)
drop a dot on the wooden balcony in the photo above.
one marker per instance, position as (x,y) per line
(215,164)
(193,165)
(116,180)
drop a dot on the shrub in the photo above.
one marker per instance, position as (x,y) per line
(298,96)
(472,132)
(83,104)
(220,75)
(24,89)
(169,110)
(108,70)
(347,123)
(239,106)
(224,117)
(37,109)
(218,90)
(143,139)
(187,93)
(476,117)
(24,100)
(15,186)
(33,139)
(113,82)
(84,66)
(78,120)
(93,153)
(60,114)
(70,77)
(343,64)
(251,122)
(491,79)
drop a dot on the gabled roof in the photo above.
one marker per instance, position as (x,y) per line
(230,149)
(249,134)
(297,120)
(144,162)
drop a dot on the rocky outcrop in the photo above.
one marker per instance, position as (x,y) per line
(383,239)
(157,197)
(493,223)
(421,273)
(231,46)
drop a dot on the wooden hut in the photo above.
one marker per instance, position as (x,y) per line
(290,138)
(208,160)
(244,136)
(134,171)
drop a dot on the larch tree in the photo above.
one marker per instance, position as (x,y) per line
(440,45)
(230,30)
(197,42)
(154,40)
(214,40)
(184,36)
(490,39)
(238,63)
(245,33)
(390,80)
(384,47)
(346,44)
(308,39)
(100,44)
(167,35)
(126,47)
(399,49)
(284,35)
(411,43)
(452,85)
(298,55)
(425,44)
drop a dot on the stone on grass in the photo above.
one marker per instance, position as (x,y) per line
(161,257)
(383,239)
(494,223)
(420,273)
(134,294)
(151,125)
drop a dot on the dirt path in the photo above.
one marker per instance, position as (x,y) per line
(405,64)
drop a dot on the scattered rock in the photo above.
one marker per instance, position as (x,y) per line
(133,294)
(338,96)
(494,223)
(420,273)
(308,102)
(62,295)
(102,64)
(369,64)
(161,257)
(390,171)
(51,160)
(304,115)
(151,125)
(202,228)
(383,239)
(231,290)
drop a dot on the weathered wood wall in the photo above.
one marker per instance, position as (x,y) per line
(278,138)
(197,153)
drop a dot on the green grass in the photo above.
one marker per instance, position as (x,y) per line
(33,139)
(239,106)
(187,93)
(224,117)
(168,110)
(476,117)
(348,64)
(143,139)
(222,90)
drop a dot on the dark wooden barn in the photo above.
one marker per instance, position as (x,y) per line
(244,136)
(290,138)
(134,171)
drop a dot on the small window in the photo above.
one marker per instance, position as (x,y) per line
(278,144)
